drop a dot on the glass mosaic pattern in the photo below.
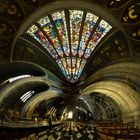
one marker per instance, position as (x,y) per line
(70,36)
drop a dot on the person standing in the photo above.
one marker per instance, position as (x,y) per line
(50,121)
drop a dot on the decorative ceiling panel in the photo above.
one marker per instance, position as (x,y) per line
(70,36)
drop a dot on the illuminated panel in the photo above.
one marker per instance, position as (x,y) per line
(60,23)
(77,66)
(75,25)
(81,67)
(51,33)
(53,36)
(27,95)
(70,115)
(64,62)
(68,60)
(58,61)
(103,28)
(74,65)
(18,77)
(38,35)
(88,28)
(99,33)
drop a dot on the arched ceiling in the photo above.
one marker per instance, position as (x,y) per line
(69,42)
(111,66)
(124,15)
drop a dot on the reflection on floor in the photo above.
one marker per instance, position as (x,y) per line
(68,131)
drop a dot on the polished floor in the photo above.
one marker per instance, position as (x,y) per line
(68,131)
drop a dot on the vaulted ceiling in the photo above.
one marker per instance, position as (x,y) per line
(110,64)
(122,42)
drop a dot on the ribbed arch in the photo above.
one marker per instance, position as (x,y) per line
(16,88)
(126,98)
(31,104)
(70,32)
(124,71)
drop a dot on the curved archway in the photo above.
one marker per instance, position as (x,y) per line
(126,97)
(33,102)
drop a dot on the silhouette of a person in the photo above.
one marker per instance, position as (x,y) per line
(50,121)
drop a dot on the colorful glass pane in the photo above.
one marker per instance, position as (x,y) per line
(61,66)
(64,63)
(51,33)
(54,36)
(75,25)
(60,23)
(100,32)
(69,64)
(81,67)
(38,35)
(89,23)
(77,65)
(73,65)
(103,28)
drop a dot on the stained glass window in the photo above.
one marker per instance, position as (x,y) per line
(99,33)
(70,37)
(88,28)
(75,25)
(60,23)
(39,36)
(51,34)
